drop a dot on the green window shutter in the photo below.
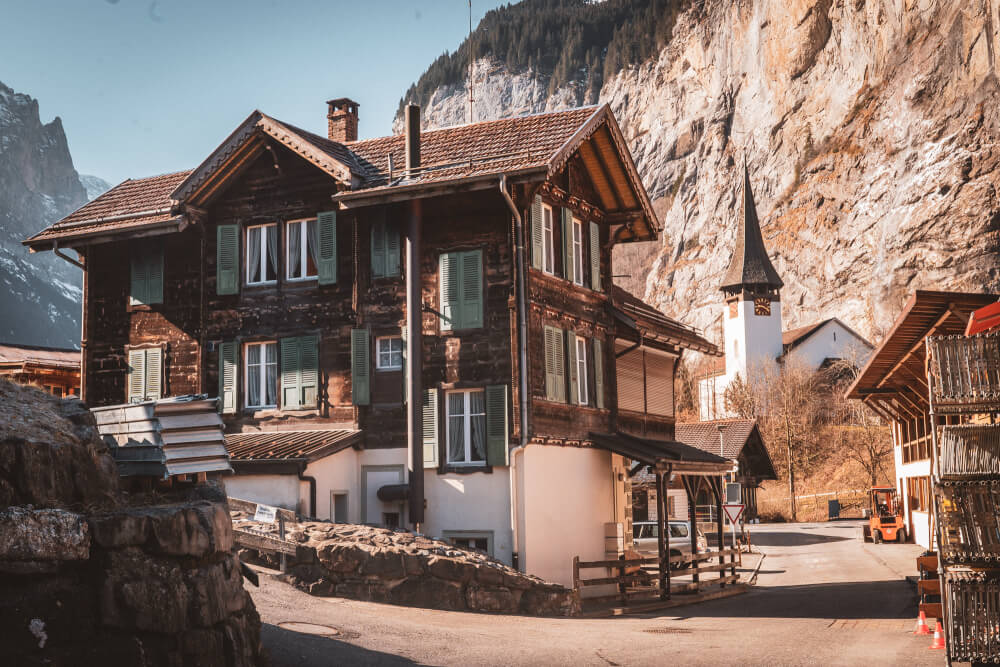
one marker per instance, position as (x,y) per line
(595,257)
(309,371)
(574,383)
(472,289)
(449,270)
(136,375)
(291,373)
(496,425)
(378,249)
(327,224)
(391,249)
(227,260)
(154,276)
(139,284)
(567,238)
(536,233)
(430,428)
(599,373)
(555,365)
(154,374)
(228,372)
(360,367)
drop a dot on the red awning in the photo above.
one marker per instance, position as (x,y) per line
(984,319)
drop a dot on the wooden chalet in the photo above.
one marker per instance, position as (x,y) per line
(444,298)
(894,385)
(56,370)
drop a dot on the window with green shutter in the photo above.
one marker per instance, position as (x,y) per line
(497,437)
(227,259)
(574,376)
(145,374)
(147,274)
(360,367)
(569,261)
(384,249)
(299,372)
(327,255)
(599,373)
(595,257)
(228,374)
(430,428)
(536,222)
(461,277)
(555,365)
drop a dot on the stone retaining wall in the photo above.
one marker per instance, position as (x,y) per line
(399,567)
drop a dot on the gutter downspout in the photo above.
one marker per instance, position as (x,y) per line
(312,489)
(61,254)
(522,335)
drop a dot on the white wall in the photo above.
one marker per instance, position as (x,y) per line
(832,340)
(751,340)
(567,494)
(338,472)
(277,490)
(475,501)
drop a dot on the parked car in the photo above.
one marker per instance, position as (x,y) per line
(645,534)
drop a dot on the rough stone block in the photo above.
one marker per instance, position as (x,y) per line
(46,535)
(120,529)
(498,600)
(139,592)
(344,558)
(428,592)
(385,563)
(450,568)
(489,575)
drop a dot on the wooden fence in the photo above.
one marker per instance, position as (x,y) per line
(637,579)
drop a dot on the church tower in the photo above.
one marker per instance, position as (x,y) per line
(752,295)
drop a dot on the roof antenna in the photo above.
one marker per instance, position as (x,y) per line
(469,84)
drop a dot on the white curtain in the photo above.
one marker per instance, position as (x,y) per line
(254,255)
(294,249)
(272,373)
(477,412)
(272,252)
(253,374)
(456,428)
(312,229)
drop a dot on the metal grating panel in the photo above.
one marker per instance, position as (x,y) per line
(970,449)
(965,373)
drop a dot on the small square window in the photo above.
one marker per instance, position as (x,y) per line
(302,243)
(390,353)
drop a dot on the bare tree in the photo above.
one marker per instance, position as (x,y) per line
(863,436)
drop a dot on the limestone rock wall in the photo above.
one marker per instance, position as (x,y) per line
(871,130)
(399,567)
(90,575)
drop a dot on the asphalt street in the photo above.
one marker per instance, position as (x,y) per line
(822,597)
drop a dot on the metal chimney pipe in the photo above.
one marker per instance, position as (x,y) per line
(412,123)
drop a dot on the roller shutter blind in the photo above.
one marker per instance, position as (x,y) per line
(227,259)
(628,371)
(659,384)
(327,260)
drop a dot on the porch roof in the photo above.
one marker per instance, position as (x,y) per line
(680,458)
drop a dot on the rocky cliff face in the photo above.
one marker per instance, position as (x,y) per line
(870,128)
(40,295)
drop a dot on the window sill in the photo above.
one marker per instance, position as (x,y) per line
(266,412)
(141,307)
(459,469)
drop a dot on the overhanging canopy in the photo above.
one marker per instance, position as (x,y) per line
(662,454)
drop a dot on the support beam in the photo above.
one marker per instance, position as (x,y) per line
(414,363)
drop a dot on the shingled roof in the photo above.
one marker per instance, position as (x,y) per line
(133,204)
(750,265)
(638,314)
(289,445)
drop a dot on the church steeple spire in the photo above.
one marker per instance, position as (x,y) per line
(750,268)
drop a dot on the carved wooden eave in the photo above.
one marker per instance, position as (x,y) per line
(608,161)
(253,136)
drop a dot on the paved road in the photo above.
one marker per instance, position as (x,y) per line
(823,598)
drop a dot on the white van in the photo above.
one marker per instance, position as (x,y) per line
(645,534)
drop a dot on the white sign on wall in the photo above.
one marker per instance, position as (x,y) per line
(652,508)
(265,514)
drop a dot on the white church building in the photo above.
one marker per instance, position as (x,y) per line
(752,331)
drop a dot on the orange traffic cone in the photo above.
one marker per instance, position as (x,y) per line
(938,637)
(922,628)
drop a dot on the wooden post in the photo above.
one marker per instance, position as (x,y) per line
(622,590)
(693,518)
(576,573)
(716,484)
(661,544)
(661,501)
(281,534)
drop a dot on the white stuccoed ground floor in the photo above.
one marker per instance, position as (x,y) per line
(550,504)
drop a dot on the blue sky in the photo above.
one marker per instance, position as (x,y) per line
(146,87)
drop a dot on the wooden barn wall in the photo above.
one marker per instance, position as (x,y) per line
(114,325)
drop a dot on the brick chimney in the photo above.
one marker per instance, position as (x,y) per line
(342,120)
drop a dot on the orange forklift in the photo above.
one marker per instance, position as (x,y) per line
(885,518)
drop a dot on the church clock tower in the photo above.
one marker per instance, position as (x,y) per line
(752,293)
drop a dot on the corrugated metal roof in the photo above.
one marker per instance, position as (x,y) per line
(285,445)
(49,356)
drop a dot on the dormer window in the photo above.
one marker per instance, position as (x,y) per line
(302,242)
(262,254)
